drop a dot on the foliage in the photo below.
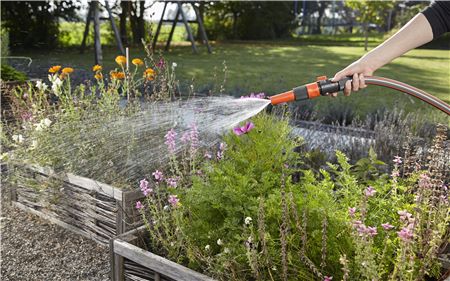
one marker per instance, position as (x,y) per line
(10,74)
(249,20)
(34,24)
(243,218)
(4,42)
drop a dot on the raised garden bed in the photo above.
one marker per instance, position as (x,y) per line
(90,208)
(130,261)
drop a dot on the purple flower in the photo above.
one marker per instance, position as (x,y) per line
(387,226)
(351,212)
(26,116)
(327,278)
(172,182)
(370,191)
(397,160)
(143,184)
(173,200)
(158,175)
(193,135)
(424,181)
(161,63)
(139,205)
(147,191)
(170,140)
(186,137)
(405,216)
(244,129)
(371,231)
(405,234)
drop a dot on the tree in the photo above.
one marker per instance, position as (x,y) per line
(34,24)
(370,12)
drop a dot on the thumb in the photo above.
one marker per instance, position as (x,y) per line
(342,74)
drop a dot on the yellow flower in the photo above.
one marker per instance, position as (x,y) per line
(121,60)
(149,74)
(137,62)
(67,70)
(54,69)
(98,76)
(117,75)
(97,68)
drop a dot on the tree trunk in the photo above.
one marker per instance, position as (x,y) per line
(123,21)
(141,22)
(201,13)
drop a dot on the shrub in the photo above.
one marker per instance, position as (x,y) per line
(10,74)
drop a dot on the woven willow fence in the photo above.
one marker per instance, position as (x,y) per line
(130,262)
(93,209)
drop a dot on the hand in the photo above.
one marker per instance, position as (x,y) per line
(358,70)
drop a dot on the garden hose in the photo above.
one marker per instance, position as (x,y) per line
(324,87)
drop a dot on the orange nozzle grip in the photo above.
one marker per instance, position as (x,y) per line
(282,98)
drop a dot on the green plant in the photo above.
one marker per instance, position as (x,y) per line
(8,73)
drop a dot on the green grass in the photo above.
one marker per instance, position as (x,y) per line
(275,67)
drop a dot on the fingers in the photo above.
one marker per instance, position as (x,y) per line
(348,88)
(355,80)
(362,81)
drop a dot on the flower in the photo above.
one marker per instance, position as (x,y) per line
(248,220)
(371,231)
(97,67)
(117,75)
(26,116)
(395,174)
(226,250)
(222,147)
(173,200)
(172,182)
(158,175)
(351,212)
(424,181)
(170,140)
(17,138)
(161,63)
(98,76)
(397,160)
(54,69)
(207,155)
(41,86)
(139,205)
(67,70)
(174,65)
(244,129)
(327,278)
(207,247)
(137,62)
(219,242)
(370,191)
(149,74)
(143,184)
(121,60)
(405,216)
(387,226)
(44,123)
(405,234)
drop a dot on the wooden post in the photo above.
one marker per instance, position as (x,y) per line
(174,24)
(86,29)
(188,28)
(158,29)
(202,28)
(97,42)
(114,27)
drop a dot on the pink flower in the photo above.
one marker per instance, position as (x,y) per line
(222,147)
(405,234)
(244,129)
(139,205)
(397,160)
(26,116)
(161,63)
(370,191)
(424,181)
(387,226)
(143,184)
(158,175)
(395,174)
(405,216)
(371,231)
(170,140)
(172,182)
(351,212)
(327,278)
(147,191)
(173,200)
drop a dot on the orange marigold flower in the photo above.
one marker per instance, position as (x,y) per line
(62,76)
(117,75)
(67,70)
(96,68)
(121,60)
(98,76)
(149,74)
(54,69)
(137,62)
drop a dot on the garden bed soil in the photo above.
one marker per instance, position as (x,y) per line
(130,261)
(87,207)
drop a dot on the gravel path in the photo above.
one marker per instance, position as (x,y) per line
(33,249)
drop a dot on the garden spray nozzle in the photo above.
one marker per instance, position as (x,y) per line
(322,87)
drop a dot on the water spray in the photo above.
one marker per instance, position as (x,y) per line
(324,87)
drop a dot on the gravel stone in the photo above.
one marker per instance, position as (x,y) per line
(34,249)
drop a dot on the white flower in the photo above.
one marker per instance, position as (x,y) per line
(174,64)
(166,208)
(56,84)
(219,242)
(17,138)
(207,247)
(226,250)
(47,122)
(248,220)
(44,123)
(41,86)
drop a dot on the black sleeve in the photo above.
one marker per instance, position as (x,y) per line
(438,15)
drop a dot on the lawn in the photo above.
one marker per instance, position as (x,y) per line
(272,67)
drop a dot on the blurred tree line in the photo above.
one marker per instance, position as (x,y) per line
(35,24)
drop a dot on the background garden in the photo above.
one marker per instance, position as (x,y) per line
(174,151)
